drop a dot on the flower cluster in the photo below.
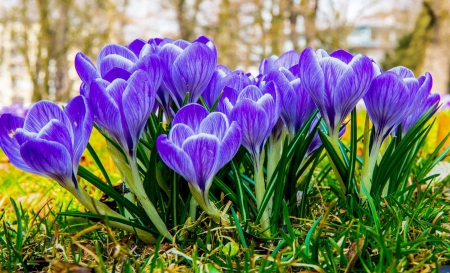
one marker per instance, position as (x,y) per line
(211,111)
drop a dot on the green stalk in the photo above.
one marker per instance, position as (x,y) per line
(274,150)
(136,186)
(193,209)
(129,169)
(334,140)
(260,189)
(95,206)
(204,202)
(370,161)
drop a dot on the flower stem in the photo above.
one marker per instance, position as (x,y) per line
(127,165)
(136,186)
(274,150)
(95,206)
(193,209)
(335,143)
(370,160)
(204,202)
(260,189)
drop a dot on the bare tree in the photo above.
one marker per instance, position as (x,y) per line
(46,32)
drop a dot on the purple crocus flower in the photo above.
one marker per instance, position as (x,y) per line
(49,141)
(223,78)
(122,107)
(411,120)
(199,144)
(256,111)
(394,95)
(187,67)
(335,85)
(121,91)
(298,105)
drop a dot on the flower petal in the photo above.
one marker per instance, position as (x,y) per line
(304,108)
(151,64)
(213,89)
(23,136)
(56,131)
(183,44)
(138,100)
(387,102)
(8,142)
(136,46)
(168,55)
(203,150)
(50,159)
(342,55)
(192,70)
(175,158)
(251,92)
(352,86)
(192,115)
(403,72)
(85,68)
(312,77)
(229,145)
(114,66)
(106,112)
(179,133)
(114,49)
(254,123)
(215,124)
(411,120)
(41,114)
(287,59)
(81,118)
(423,91)
(237,80)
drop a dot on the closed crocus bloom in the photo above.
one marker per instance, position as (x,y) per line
(236,80)
(388,102)
(122,99)
(420,88)
(119,62)
(122,107)
(198,145)
(256,111)
(298,105)
(335,85)
(394,95)
(188,67)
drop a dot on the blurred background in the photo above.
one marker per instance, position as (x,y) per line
(39,38)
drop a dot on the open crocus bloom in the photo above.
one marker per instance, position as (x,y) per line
(199,144)
(49,141)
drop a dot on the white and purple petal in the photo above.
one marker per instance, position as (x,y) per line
(203,150)
(192,70)
(81,119)
(175,158)
(49,158)
(192,115)
(9,124)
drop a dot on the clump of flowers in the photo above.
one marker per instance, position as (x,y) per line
(174,120)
